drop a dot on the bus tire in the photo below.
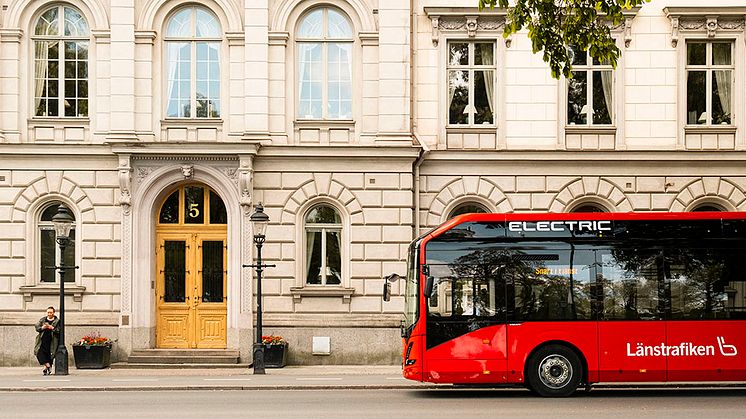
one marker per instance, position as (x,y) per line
(554,371)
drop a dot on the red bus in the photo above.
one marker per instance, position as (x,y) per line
(558,301)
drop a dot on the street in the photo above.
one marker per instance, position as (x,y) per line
(388,403)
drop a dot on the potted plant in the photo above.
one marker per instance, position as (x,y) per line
(92,351)
(275,351)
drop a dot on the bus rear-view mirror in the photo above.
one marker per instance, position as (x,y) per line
(429,286)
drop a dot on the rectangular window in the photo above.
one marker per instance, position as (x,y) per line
(590,98)
(709,82)
(50,256)
(471,83)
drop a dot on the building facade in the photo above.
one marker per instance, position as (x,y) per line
(357,123)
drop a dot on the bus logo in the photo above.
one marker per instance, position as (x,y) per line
(559,226)
(682,349)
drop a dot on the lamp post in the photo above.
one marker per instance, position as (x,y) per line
(259,221)
(63,222)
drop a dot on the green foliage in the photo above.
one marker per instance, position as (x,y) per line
(554,24)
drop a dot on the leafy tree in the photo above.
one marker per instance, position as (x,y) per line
(554,24)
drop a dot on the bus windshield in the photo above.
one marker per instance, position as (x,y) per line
(410,294)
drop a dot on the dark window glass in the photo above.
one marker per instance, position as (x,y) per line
(577,98)
(217,210)
(333,258)
(707,208)
(696,53)
(212,271)
(194,205)
(633,284)
(69,258)
(48,255)
(588,208)
(170,210)
(696,97)
(467,208)
(313,263)
(49,212)
(323,214)
(174,272)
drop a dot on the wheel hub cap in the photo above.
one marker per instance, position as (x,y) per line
(555,371)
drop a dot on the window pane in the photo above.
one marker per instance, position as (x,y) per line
(207,24)
(333,258)
(208,80)
(577,98)
(312,25)
(69,259)
(180,24)
(458,97)
(75,24)
(721,53)
(468,208)
(339,91)
(484,93)
(631,281)
(699,279)
(458,53)
(310,81)
(48,255)
(48,23)
(696,53)
(174,271)
(170,210)
(603,84)
(339,27)
(483,53)
(194,205)
(179,79)
(212,271)
(323,214)
(579,57)
(49,212)
(313,257)
(696,98)
(721,96)
(217,210)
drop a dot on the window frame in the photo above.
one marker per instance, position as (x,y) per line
(62,40)
(324,41)
(709,68)
(589,68)
(323,228)
(471,68)
(193,40)
(42,226)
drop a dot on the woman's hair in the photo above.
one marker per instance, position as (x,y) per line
(51,308)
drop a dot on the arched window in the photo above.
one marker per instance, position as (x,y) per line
(708,207)
(589,208)
(324,51)
(50,252)
(323,228)
(61,38)
(193,205)
(193,39)
(468,208)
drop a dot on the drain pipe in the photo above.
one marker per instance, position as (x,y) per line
(424,149)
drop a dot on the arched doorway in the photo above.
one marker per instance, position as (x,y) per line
(191,286)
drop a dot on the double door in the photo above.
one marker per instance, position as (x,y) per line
(191,298)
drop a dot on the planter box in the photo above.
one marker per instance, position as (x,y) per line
(91,357)
(275,356)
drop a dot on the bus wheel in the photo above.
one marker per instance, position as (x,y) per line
(554,371)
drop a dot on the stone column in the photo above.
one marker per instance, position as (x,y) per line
(393,85)
(122,115)
(11,114)
(256,117)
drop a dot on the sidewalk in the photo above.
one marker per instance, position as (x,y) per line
(287,378)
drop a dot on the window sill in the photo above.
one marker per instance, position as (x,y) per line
(474,129)
(321,291)
(710,129)
(170,122)
(66,121)
(590,129)
(29,291)
(324,123)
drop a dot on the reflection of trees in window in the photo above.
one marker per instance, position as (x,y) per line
(634,280)
(698,281)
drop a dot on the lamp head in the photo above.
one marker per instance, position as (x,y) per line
(63,222)
(259,220)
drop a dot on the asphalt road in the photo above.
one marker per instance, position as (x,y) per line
(389,404)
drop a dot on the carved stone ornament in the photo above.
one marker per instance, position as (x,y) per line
(125,184)
(187,170)
(711,24)
(471,24)
(245,172)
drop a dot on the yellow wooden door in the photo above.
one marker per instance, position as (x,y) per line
(174,299)
(210,308)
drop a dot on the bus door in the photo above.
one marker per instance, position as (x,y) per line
(632,330)
(466,330)
(707,318)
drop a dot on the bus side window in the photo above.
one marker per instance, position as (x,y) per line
(632,284)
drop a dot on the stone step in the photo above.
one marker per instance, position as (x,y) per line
(184,356)
(127,365)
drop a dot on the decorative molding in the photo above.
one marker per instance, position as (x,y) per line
(187,170)
(368,38)
(705,20)
(279,38)
(125,183)
(465,19)
(29,291)
(322,291)
(145,37)
(102,36)
(245,182)
(235,39)
(143,172)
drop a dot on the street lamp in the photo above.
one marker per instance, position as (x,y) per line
(259,221)
(63,222)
